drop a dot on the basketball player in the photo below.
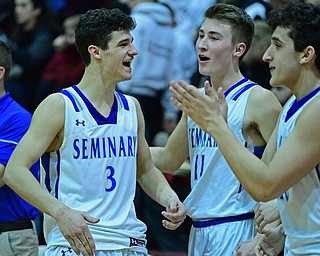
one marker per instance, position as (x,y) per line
(95,137)
(221,210)
(289,169)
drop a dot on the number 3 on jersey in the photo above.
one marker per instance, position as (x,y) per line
(198,166)
(111,182)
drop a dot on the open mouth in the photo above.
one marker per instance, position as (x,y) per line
(203,58)
(127,64)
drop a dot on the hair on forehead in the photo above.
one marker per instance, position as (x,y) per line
(95,27)
(303,21)
(241,24)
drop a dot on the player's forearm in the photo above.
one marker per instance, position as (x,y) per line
(21,180)
(156,186)
(1,175)
(251,171)
(162,160)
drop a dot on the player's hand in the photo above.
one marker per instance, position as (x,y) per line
(272,243)
(266,213)
(205,109)
(72,224)
(175,214)
(247,248)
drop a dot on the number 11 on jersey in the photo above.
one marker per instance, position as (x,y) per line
(198,166)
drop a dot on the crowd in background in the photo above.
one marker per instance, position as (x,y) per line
(40,34)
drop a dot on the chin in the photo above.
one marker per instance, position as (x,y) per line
(275,84)
(127,77)
(203,71)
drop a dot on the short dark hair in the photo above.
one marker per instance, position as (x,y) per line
(5,59)
(303,20)
(95,27)
(242,26)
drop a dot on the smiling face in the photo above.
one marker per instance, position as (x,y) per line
(118,57)
(214,48)
(283,59)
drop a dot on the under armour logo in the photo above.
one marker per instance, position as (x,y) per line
(63,253)
(78,122)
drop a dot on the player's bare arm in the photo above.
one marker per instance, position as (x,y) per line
(170,158)
(261,116)
(2,167)
(155,184)
(264,182)
(44,127)
(47,122)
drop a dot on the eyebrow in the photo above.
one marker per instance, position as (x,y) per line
(274,38)
(124,40)
(210,32)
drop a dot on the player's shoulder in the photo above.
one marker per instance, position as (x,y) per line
(311,109)
(259,94)
(52,105)
(56,99)
(263,98)
(133,99)
(263,103)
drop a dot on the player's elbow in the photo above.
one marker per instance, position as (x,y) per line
(6,176)
(264,194)
(166,162)
(263,191)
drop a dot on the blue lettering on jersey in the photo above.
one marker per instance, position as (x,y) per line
(95,149)
(122,147)
(199,169)
(92,148)
(112,146)
(111,178)
(199,138)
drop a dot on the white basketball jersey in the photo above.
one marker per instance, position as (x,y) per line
(95,171)
(300,205)
(216,192)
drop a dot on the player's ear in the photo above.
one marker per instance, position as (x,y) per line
(307,55)
(94,51)
(239,49)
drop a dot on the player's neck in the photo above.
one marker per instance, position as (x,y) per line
(303,84)
(226,82)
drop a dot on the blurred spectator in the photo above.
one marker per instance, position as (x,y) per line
(190,13)
(184,46)
(6,10)
(257,9)
(312,1)
(18,235)
(252,64)
(277,3)
(57,6)
(31,44)
(154,66)
(65,68)
(66,8)
(163,50)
